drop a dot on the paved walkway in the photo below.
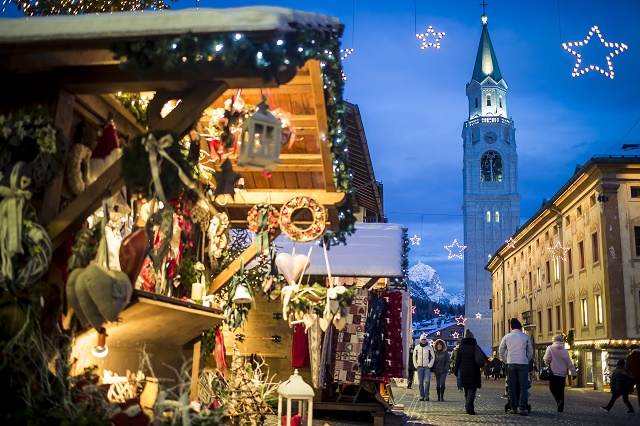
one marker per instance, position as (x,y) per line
(582,407)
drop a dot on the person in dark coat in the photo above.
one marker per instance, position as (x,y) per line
(412,369)
(621,386)
(470,373)
(496,367)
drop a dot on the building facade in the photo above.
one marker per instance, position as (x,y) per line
(574,268)
(491,205)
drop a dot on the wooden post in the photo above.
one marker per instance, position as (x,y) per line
(195,370)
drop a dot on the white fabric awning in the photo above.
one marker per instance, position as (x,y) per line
(374,250)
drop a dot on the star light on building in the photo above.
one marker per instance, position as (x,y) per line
(438,333)
(436,311)
(478,315)
(459,250)
(344,53)
(423,38)
(558,252)
(616,49)
(511,243)
(455,335)
(461,320)
(413,309)
(415,240)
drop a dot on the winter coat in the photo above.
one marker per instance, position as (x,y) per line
(621,381)
(412,366)
(441,364)
(423,356)
(558,360)
(633,364)
(470,376)
(496,364)
(516,348)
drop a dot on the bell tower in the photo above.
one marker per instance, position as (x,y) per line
(491,205)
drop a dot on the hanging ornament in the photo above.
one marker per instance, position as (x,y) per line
(260,140)
(438,333)
(435,43)
(615,49)
(455,335)
(459,250)
(415,240)
(318,219)
(511,243)
(263,220)
(461,320)
(226,179)
(478,315)
(558,252)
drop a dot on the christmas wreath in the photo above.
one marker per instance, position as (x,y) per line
(33,138)
(263,220)
(318,214)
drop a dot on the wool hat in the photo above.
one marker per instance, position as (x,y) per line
(423,336)
(515,323)
(468,334)
(558,338)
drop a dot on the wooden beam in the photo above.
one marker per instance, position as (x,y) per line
(279,197)
(224,276)
(321,117)
(76,212)
(189,111)
(195,369)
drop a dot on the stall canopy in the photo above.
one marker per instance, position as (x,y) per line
(374,250)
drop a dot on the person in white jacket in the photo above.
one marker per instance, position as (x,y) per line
(559,362)
(423,359)
(516,351)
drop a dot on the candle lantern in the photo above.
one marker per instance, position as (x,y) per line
(296,390)
(260,140)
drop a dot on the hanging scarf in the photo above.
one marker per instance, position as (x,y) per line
(11,206)
(262,233)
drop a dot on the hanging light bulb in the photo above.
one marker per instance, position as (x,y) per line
(101,349)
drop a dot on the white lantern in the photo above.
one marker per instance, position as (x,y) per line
(260,140)
(295,389)
(242,295)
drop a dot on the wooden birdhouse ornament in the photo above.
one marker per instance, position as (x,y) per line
(260,140)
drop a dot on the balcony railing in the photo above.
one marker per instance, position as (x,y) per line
(478,120)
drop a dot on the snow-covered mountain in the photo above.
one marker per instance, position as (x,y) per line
(425,284)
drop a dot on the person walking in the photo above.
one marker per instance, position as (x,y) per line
(441,367)
(454,353)
(469,370)
(496,366)
(412,368)
(621,386)
(423,359)
(516,350)
(559,362)
(633,366)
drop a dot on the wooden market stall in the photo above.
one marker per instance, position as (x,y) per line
(194,61)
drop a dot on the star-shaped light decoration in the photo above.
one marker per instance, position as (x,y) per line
(344,53)
(511,243)
(455,335)
(616,49)
(226,179)
(413,309)
(438,333)
(461,320)
(423,38)
(478,315)
(415,240)
(459,250)
(436,311)
(558,252)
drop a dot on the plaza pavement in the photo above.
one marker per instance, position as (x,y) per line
(582,408)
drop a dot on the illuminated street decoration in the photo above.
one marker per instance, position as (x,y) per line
(423,38)
(459,250)
(511,243)
(413,309)
(478,315)
(436,311)
(455,335)
(344,53)
(616,49)
(461,320)
(415,240)
(558,252)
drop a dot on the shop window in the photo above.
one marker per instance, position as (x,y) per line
(585,313)
(635,192)
(569,262)
(572,323)
(596,247)
(599,313)
(581,254)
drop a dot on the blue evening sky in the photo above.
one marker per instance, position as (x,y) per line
(413,101)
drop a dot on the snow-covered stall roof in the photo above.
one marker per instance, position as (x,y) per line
(161,22)
(374,250)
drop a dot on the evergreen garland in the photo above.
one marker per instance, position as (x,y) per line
(76,7)
(224,52)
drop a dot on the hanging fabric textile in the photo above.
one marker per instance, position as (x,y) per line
(372,356)
(314,335)
(327,356)
(393,354)
(300,347)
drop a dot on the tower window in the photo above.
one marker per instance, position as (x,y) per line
(497,217)
(500,101)
(488,216)
(488,100)
(491,167)
(476,102)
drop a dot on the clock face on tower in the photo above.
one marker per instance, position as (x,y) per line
(490,137)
